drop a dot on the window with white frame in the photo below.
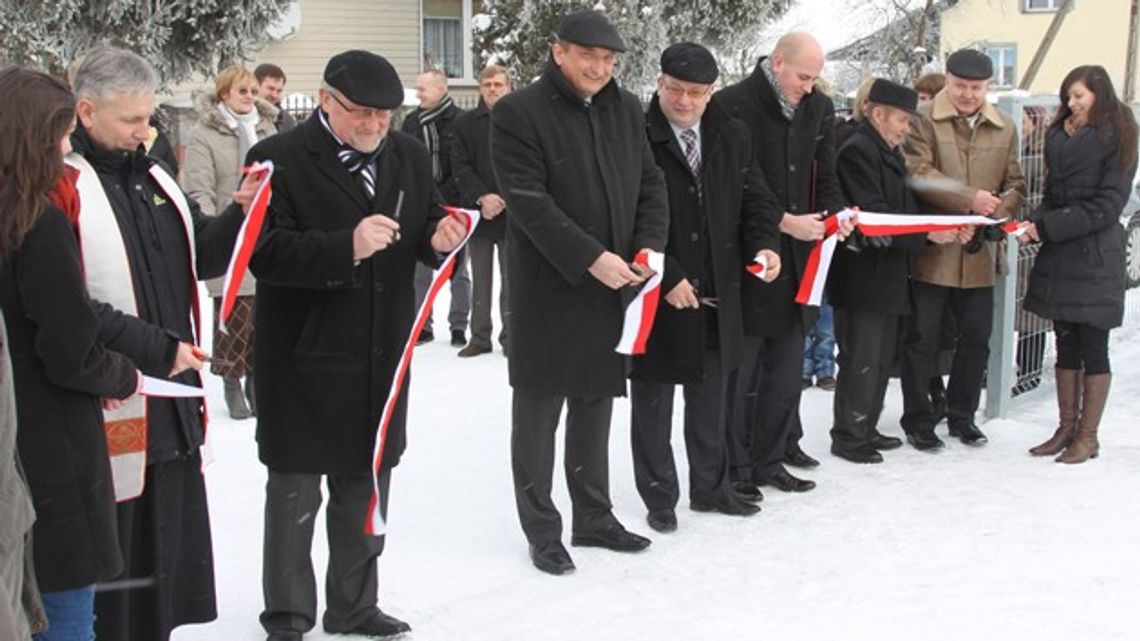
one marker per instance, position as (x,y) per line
(1030,6)
(447,37)
(1004,57)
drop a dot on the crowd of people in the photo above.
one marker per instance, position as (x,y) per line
(102,239)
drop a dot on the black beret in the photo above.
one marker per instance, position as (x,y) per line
(892,94)
(589,28)
(690,62)
(970,64)
(365,78)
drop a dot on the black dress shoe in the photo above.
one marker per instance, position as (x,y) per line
(284,635)
(782,480)
(474,350)
(883,442)
(796,457)
(937,405)
(614,537)
(861,454)
(425,337)
(662,520)
(458,338)
(747,491)
(726,504)
(551,557)
(925,440)
(380,626)
(968,433)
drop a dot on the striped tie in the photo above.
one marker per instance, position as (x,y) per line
(363,165)
(692,154)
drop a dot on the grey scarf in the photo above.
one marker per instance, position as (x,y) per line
(788,109)
(431,134)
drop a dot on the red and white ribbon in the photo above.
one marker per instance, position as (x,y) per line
(246,240)
(876,224)
(375,526)
(758,267)
(642,309)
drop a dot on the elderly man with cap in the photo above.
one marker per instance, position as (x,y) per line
(962,159)
(585,196)
(792,128)
(354,208)
(870,282)
(721,215)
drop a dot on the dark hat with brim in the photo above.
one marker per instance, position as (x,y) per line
(892,94)
(689,62)
(970,64)
(589,28)
(365,78)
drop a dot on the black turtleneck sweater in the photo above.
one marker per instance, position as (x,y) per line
(157,249)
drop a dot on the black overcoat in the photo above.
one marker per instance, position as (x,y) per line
(329,333)
(710,236)
(873,177)
(579,179)
(1078,276)
(798,159)
(61,370)
(443,126)
(471,167)
(154,238)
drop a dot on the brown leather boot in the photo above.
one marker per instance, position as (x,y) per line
(1095,397)
(1069,408)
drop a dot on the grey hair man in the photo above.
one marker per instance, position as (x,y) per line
(144,245)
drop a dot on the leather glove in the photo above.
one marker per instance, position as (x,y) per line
(880,242)
(856,241)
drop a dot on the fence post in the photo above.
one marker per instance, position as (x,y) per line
(1000,374)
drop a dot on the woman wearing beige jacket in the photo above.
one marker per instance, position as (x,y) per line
(232,120)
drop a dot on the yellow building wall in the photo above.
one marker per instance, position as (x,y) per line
(1094,32)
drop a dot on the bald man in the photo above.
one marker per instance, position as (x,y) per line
(431,123)
(792,127)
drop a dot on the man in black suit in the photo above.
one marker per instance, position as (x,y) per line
(721,215)
(352,211)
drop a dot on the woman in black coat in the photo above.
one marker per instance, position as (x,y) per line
(869,285)
(60,368)
(1078,278)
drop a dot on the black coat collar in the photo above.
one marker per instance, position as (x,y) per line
(891,157)
(323,147)
(608,95)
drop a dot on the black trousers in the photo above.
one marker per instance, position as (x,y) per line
(351,581)
(651,429)
(763,415)
(867,346)
(973,309)
(535,420)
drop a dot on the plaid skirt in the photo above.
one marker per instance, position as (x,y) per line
(236,346)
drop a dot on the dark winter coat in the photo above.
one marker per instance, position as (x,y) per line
(1078,276)
(711,238)
(471,167)
(579,179)
(873,177)
(155,241)
(446,184)
(61,371)
(798,159)
(329,332)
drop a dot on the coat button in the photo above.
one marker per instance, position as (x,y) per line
(692,189)
(377,352)
(696,283)
(379,288)
(138,187)
(695,237)
(792,167)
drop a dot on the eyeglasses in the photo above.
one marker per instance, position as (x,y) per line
(363,113)
(676,92)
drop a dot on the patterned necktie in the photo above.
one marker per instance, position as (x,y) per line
(362,165)
(692,153)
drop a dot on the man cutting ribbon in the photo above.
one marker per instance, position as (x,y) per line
(353,209)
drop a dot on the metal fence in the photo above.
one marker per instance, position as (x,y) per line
(1021,347)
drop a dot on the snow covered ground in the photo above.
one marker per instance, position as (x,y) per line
(985,543)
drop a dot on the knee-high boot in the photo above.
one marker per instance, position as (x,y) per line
(1069,409)
(1093,401)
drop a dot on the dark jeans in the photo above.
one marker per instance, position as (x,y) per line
(652,426)
(973,309)
(819,345)
(535,418)
(1082,347)
(71,615)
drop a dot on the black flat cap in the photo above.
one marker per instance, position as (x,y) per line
(689,62)
(589,28)
(892,94)
(970,64)
(365,78)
